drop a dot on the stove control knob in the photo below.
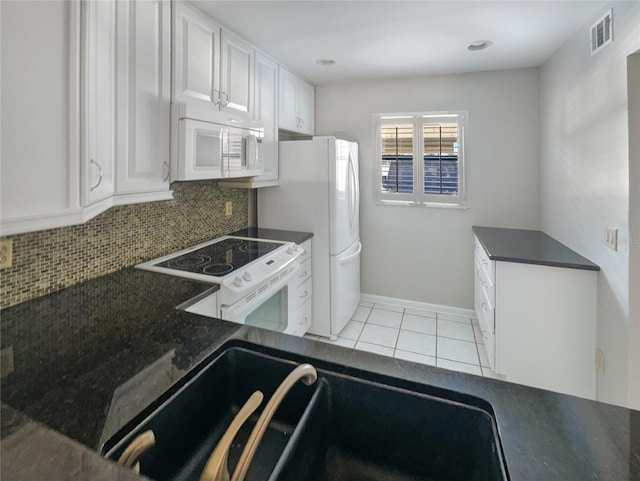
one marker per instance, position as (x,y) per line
(247,276)
(238,281)
(292,249)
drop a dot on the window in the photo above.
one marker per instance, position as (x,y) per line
(435,138)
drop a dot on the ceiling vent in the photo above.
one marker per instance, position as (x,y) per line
(602,33)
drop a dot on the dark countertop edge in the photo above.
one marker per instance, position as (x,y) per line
(586,264)
(274,234)
(545,263)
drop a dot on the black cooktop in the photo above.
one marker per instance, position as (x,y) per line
(221,257)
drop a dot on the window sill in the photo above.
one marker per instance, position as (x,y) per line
(438,205)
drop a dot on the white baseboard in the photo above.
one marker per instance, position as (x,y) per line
(393,301)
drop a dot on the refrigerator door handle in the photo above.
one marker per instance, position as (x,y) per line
(344,260)
(353,198)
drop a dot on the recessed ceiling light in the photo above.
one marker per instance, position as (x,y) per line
(326,62)
(479,45)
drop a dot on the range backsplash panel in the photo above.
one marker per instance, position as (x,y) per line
(50,260)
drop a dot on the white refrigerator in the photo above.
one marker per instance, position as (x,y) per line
(319,192)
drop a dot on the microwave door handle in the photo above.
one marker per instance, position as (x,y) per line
(244,153)
(255,155)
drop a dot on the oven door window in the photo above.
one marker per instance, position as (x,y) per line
(272,314)
(274,309)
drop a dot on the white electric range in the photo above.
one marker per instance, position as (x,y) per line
(257,279)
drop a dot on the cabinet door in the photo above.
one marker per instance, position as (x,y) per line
(144,42)
(306,99)
(288,100)
(97,102)
(266,98)
(236,81)
(196,56)
(40,168)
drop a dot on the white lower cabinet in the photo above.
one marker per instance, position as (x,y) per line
(538,323)
(305,290)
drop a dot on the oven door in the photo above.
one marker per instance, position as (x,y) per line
(275,308)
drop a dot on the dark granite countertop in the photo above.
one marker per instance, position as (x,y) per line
(529,247)
(91,357)
(274,234)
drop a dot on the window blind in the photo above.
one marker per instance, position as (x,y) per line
(441,158)
(397,157)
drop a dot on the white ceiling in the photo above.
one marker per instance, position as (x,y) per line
(375,39)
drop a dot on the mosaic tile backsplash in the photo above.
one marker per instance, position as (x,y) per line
(50,260)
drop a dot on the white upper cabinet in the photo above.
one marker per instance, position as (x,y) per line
(97,102)
(196,73)
(211,66)
(236,81)
(296,104)
(143,100)
(39,106)
(306,107)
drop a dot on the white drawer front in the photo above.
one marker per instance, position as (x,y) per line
(306,250)
(488,340)
(304,318)
(485,310)
(487,264)
(485,283)
(304,292)
(304,272)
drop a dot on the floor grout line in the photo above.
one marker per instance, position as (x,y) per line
(437,336)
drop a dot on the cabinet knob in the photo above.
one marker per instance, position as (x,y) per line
(226,102)
(484,283)
(166,177)
(99,173)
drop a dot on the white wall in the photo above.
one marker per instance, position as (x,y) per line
(425,254)
(633,86)
(585,173)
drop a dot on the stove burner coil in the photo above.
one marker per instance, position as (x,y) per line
(189,260)
(217,269)
(257,247)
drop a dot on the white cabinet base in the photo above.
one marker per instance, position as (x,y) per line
(538,323)
(546,327)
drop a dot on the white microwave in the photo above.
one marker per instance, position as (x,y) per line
(214,145)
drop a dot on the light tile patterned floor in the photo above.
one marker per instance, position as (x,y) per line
(426,337)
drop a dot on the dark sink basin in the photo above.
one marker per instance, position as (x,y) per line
(353,426)
(359,430)
(189,423)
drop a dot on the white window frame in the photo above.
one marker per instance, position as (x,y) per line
(418,197)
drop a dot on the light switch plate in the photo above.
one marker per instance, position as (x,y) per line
(228,208)
(611,237)
(6,253)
